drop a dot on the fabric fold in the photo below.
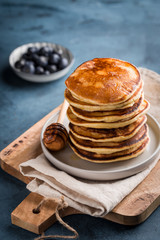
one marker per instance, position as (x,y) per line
(89,197)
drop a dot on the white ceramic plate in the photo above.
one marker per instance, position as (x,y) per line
(69,162)
(16,54)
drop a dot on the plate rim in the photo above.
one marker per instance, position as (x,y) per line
(98,172)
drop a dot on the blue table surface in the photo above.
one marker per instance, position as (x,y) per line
(128,30)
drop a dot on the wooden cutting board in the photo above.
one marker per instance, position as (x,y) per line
(134,209)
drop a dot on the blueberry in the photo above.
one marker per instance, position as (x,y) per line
(45,51)
(35,57)
(32,50)
(52,68)
(27,56)
(54,58)
(28,67)
(42,61)
(46,72)
(17,64)
(63,63)
(20,63)
(39,70)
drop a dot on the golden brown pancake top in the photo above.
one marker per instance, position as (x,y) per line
(104,81)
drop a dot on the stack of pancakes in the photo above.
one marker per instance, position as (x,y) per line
(107,111)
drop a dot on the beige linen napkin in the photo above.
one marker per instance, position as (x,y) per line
(90,197)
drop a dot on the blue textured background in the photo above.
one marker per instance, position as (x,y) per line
(129,30)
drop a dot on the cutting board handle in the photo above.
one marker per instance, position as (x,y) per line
(27,217)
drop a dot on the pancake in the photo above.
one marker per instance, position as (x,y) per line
(108,116)
(104,81)
(80,122)
(106,112)
(108,135)
(90,107)
(110,147)
(114,157)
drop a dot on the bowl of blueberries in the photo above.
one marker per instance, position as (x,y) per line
(41,62)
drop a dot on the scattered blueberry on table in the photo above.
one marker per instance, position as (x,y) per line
(41,61)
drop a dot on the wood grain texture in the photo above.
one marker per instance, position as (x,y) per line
(134,208)
(24,217)
(23,148)
(141,202)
